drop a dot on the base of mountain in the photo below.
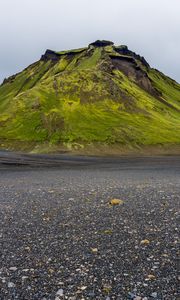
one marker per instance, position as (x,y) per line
(97,149)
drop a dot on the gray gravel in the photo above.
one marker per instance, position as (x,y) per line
(60,239)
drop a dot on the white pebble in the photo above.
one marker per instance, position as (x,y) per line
(60,292)
(11,285)
(13,268)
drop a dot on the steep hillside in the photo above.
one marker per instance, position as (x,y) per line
(102,94)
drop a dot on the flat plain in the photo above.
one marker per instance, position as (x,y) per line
(60,238)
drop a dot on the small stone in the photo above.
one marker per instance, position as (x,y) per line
(91,294)
(107,288)
(60,293)
(154,295)
(165,255)
(51,271)
(94,250)
(11,285)
(145,242)
(131,296)
(13,269)
(27,248)
(24,278)
(116,202)
(151,277)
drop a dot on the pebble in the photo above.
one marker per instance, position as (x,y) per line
(154,295)
(145,242)
(83,288)
(24,278)
(60,292)
(94,250)
(151,277)
(11,285)
(131,296)
(13,269)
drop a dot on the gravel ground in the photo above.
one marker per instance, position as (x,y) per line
(60,238)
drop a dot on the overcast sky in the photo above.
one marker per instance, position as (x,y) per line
(149,27)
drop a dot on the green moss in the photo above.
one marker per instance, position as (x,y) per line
(92,61)
(169,88)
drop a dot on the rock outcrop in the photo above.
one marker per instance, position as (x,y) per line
(125,51)
(50,55)
(101,43)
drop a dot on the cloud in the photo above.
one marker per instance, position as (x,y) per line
(149,27)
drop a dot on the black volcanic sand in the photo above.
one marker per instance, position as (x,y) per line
(60,239)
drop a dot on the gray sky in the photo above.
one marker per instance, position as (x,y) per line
(149,27)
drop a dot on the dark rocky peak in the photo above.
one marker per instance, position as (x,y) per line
(101,43)
(50,55)
(123,50)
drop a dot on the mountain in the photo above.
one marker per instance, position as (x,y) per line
(99,95)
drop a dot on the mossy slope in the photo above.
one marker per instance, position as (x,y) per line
(101,94)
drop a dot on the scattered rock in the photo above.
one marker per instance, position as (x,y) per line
(13,269)
(154,295)
(108,231)
(24,278)
(11,285)
(107,288)
(83,288)
(60,293)
(27,248)
(131,296)
(145,242)
(116,202)
(94,250)
(151,277)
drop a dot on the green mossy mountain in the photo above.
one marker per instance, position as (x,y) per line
(99,94)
